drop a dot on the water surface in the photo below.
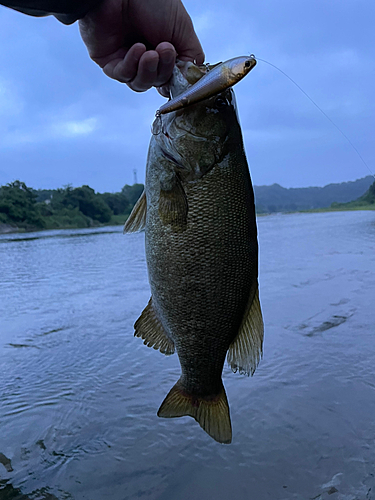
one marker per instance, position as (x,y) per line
(79,394)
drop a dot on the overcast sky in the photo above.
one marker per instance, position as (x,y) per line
(62,121)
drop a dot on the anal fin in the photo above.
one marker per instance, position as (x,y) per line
(211,413)
(246,350)
(137,219)
(149,328)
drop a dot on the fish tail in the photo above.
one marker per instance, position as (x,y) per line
(211,413)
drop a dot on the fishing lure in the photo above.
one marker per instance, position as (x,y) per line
(216,80)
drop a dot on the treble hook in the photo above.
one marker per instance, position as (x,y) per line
(157,126)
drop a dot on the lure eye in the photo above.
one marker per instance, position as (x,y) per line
(247,64)
(220,102)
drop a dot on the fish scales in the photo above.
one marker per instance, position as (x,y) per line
(203,260)
(205,301)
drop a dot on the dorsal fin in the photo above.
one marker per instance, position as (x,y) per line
(246,350)
(149,328)
(137,219)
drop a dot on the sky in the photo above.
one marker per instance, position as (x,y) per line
(62,121)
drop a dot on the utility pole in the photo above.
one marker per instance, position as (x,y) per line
(135,180)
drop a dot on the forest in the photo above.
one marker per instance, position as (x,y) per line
(67,207)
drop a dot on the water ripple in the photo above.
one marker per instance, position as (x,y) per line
(79,394)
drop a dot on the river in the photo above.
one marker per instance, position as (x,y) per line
(79,394)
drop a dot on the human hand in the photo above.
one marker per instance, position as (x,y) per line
(136,41)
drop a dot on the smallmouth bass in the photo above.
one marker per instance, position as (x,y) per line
(202,253)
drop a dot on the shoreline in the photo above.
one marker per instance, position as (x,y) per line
(9,229)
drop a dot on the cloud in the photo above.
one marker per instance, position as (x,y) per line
(57,108)
(48,132)
(74,128)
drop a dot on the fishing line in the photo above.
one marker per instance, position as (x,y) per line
(320,109)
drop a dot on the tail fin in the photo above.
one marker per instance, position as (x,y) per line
(212,414)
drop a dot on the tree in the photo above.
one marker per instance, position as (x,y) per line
(117,202)
(83,198)
(133,192)
(18,205)
(371,193)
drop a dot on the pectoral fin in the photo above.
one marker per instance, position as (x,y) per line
(212,414)
(246,350)
(173,206)
(137,219)
(149,328)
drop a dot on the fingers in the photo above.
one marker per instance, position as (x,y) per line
(109,29)
(141,69)
(122,66)
(167,60)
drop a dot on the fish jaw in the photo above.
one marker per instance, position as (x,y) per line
(195,138)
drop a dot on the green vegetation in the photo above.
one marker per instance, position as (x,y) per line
(365,202)
(18,206)
(68,207)
(276,198)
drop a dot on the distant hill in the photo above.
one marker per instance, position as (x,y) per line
(275,198)
(364,202)
(369,196)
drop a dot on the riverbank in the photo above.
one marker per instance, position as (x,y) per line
(116,220)
(119,220)
(7,228)
(340,208)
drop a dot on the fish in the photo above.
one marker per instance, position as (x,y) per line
(201,245)
(218,78)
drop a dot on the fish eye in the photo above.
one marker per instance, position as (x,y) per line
(247,64)
(220,102)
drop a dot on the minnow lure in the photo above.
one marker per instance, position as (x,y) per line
(216,80)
